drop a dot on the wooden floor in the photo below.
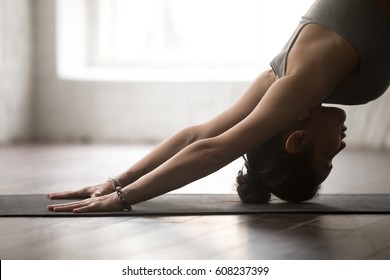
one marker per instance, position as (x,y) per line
(42,169)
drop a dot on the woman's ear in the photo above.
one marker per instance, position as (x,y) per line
(296,142)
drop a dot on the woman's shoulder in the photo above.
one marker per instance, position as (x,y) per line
(323,51)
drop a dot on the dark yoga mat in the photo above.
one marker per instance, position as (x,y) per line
(205,204)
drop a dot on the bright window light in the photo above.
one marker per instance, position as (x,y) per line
(190,35)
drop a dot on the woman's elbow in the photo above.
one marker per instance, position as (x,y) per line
(210,151)
(196,133)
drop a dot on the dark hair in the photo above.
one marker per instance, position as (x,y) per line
(271,170)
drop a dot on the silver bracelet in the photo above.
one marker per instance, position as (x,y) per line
(116,185)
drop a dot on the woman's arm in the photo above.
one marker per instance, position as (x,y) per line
(184,138)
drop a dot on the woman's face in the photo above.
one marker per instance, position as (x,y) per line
(326,131)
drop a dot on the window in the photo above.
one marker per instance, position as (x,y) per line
(205,36)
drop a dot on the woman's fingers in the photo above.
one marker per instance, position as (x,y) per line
(83,193)
(87,208)
(61,195)
(94,191)
(68,207)
(95,204)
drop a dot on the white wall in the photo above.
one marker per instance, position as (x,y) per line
(66,110)
(116,111)
(15,70)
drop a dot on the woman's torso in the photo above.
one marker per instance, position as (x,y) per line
(367,29)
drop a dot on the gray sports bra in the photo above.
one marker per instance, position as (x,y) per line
(367,29)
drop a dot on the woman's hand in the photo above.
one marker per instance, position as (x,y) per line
(92,191)
(102,203)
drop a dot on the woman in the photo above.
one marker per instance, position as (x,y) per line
(340,53)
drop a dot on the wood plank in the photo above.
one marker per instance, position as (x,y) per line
(158,243)
(221,243)
(382,254)
(311,240)
(63,238)
(364,242)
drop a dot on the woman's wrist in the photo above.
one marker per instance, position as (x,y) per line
(117,187)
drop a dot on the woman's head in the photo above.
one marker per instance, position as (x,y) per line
(293,164)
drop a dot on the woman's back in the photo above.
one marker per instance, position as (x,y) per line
(368,31)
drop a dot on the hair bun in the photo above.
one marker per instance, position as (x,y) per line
(250,188)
